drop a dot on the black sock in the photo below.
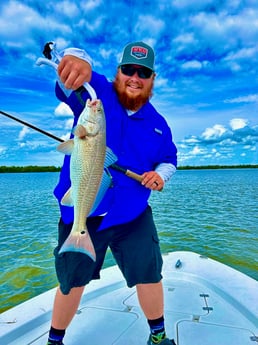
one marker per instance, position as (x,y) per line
(157,328)
(55,336)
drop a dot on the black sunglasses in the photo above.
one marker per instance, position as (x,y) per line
(142,72)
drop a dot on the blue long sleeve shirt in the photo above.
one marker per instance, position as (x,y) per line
(140,141)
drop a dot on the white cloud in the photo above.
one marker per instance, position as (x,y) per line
(32,144)
(238,123)
(253,98)
(2,149)
(194,65)
(106,53)
(197,151)
(65,136)
(20,21)
(69,124)
(145,22)
(238,133)
(90,5)
(63,110)
(243,53)
(67,8)
(14,13)
(191,140)
(213,133)
(96,24)
(23,133)
(185,38)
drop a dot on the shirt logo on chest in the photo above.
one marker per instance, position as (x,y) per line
(159,131)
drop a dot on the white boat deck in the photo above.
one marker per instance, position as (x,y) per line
(206,303)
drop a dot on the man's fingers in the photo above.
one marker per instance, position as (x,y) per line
(73,72)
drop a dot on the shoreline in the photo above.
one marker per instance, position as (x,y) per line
(32,168)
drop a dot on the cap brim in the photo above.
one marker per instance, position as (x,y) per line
(134,63)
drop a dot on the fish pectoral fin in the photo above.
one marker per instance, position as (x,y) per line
(67,199)
(80,131)
(66,147)
(110,158)
(105,183)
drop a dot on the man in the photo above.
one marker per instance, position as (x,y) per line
(142,141)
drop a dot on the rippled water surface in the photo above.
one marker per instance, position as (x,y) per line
(212,212)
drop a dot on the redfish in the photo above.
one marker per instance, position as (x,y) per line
(88,152)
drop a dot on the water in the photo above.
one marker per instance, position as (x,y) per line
(212,212)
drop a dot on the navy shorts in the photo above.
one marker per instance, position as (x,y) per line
(134,245)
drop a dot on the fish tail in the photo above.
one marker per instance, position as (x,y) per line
(79,242)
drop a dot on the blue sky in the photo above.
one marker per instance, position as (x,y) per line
(206,64)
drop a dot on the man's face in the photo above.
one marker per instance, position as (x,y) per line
(133,90)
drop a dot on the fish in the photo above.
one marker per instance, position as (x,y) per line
(89,156)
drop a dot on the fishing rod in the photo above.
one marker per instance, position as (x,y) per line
(31,126)
(117,167)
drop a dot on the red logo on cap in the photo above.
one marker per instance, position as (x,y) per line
(139,52)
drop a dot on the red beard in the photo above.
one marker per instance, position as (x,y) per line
(133,103)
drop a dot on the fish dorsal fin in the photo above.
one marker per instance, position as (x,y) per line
(66,147)
(80,131)
(67,199)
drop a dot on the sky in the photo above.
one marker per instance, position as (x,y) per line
(206,64)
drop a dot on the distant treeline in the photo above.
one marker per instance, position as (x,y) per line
(29,168)
(242,166)
(32,168)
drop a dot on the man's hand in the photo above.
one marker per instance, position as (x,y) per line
(74,72)
(152,180)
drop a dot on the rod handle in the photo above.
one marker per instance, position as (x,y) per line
(133,175)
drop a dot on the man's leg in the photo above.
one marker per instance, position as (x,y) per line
(135,246)
(73,269)
(65,307)
(151,299)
